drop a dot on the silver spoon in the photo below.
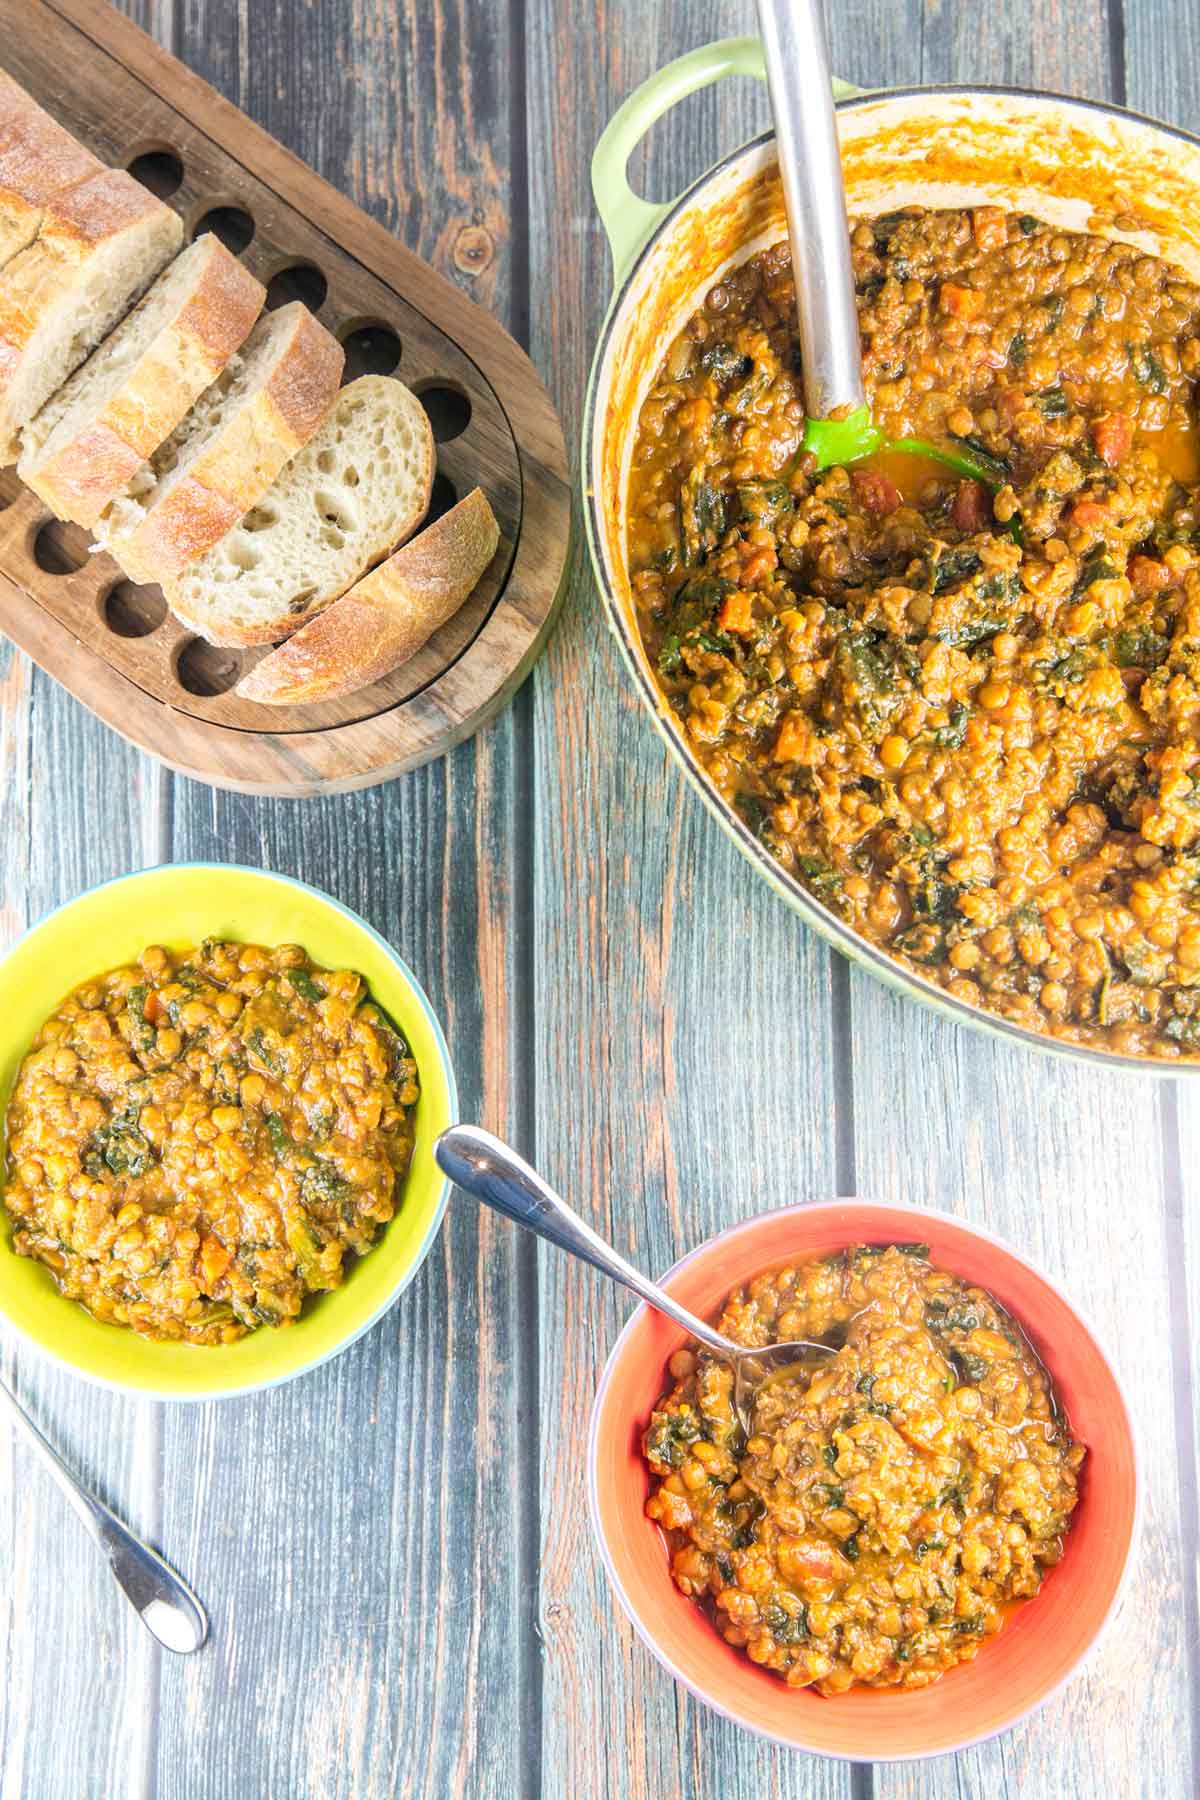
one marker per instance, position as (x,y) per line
(167,1607)
(486,1168)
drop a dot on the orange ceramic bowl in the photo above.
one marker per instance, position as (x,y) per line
(1047,1638)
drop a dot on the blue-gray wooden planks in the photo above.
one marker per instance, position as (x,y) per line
(395,1549)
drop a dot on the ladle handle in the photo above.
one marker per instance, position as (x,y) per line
(487,1169)
(810,163)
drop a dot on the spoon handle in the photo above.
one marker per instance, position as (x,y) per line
(167,1607)
(483,1166)
(810,163)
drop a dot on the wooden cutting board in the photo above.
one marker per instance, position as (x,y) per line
(115,646)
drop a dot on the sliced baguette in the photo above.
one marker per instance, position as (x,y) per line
(38,161)
(228,450)
(358,488)
(383,621)
(91,438)
(99,246)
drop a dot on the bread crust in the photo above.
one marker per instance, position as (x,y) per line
(72,229)
(243,459)
(387,617)
(38,161)
(79,479)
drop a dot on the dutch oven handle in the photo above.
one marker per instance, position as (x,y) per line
(629,220)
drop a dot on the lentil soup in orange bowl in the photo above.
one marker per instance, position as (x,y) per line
(907,1547)
(951,714)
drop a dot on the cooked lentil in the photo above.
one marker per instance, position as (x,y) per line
(962,714)
(198,1141)
(888,1509)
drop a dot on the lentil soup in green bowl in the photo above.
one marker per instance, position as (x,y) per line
(225,1143)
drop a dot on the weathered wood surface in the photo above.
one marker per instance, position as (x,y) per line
(405,1595)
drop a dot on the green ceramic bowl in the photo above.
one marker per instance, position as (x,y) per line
(178,905)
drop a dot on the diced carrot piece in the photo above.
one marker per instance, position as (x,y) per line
(1148,575)
(971,507)
(793,738)
(989,227)
(152,1007)
(737,613)
(960,302)
(1113,437)
(877,493)
(214,1260)
(1088,512)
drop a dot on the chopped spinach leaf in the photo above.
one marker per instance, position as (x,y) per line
(950,735)
(1052,403)
(668,1438)
(724,363)
(1148,372)
(785,1627)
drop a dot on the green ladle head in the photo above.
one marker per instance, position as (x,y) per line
(837,443)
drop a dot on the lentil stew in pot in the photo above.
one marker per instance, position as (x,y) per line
(887,1510)
(961,712)
(199,1141)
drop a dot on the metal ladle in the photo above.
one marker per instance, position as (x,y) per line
(839,429)
(166,1605)
(487,1169)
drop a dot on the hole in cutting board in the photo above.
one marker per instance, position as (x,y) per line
(298,281)
(232,224)
(160,169)
(443,495)
(207,669)
(133,612)
(448,410)
(371,347)
(60,548)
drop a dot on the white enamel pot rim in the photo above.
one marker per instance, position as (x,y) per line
(654,225)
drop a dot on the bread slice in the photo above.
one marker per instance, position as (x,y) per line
(91,438)
(99,246)
(228,450)
(353,493)
(38,162)
(383,621)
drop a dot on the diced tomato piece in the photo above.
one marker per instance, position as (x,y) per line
(1113,437)
(759,560)
(1088,512)
(1009,403)
(811,1562)
(960,302)
(877,493)
(988,224)
(737,612)
(971,506)
(1148,575)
